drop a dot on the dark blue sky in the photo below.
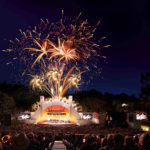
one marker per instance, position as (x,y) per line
(125,23)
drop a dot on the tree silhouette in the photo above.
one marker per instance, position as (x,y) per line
(7,104)
(145,85)
(145,91)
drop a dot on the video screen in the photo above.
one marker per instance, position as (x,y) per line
(24,116)
(141,116)
(87,116)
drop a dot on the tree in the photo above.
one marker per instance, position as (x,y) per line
(145,91)
(145,85)
(7,104)
(23,96)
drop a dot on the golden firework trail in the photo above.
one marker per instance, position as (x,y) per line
(43,50)
(56,82)
(62,52)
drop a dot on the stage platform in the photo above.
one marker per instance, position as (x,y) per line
(52,123)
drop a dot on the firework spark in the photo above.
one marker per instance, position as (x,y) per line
(36,82)
(43,50)
(63,52)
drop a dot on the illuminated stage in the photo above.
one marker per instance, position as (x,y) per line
(56,112)
(60,112)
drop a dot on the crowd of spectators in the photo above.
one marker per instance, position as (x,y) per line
(89,137)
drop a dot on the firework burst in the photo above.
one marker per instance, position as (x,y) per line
(56,80)
(58,52)
(63,52)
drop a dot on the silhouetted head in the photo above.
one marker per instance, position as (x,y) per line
(110,139)
(144,141)
(118,140)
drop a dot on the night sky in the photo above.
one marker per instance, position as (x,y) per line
(125,23)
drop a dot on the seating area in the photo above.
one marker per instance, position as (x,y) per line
(72,137)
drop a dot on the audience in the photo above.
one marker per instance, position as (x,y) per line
(90,137)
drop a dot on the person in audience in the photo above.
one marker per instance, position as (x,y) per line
(110,142)
(118,142)
(1,146)
(136,139)
(129,143)
(34,144)
(144,141)
(20,141)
